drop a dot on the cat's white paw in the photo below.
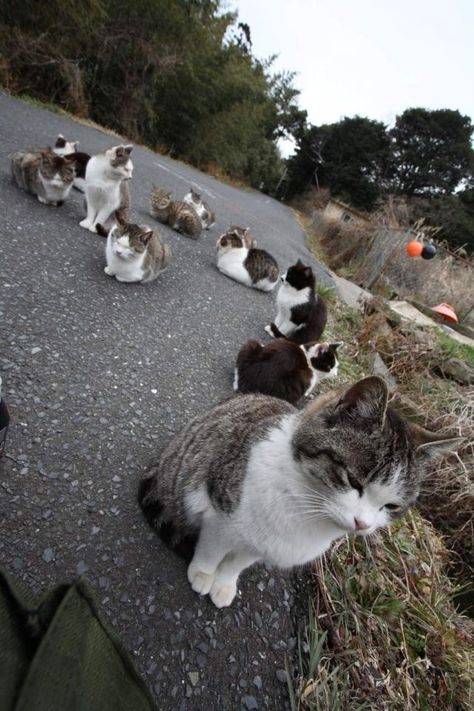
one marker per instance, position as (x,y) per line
(92,228)
(268,329)
(85,223)
(108,271)
(200,582)
(42,200)
(222,595)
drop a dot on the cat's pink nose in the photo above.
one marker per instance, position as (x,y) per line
(360,525)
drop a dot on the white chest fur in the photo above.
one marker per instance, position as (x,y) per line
(270,514)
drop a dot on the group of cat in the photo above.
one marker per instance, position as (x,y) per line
(254,479)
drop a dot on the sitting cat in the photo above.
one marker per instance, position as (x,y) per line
(63,147)
(107,191)
(178,215)
(250,266)
(302,314)
(205,213)
(44,174)
(69,149)
(134,252)
(255,479)
(284,369)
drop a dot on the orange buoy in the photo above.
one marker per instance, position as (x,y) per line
(447,312)
(414,248)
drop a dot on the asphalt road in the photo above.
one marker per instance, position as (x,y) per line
(98,376)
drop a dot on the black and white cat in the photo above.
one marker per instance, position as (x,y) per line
(284,369)
(69,149)
(107,176)
(301,313)
(250,266)
(255,479)
(134,253)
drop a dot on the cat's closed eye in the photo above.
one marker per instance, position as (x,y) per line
(392,507)
(354,483)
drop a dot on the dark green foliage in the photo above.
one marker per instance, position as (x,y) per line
(431,151)
(349,157)
(176,74)
(452,214)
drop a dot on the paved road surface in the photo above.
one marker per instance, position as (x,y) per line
(98,376)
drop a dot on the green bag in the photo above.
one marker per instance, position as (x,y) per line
(57,655)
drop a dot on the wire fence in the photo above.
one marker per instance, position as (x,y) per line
(384,265)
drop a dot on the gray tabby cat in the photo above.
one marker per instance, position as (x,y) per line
(44,174)
(244,232)
(107,176)
(255,479)
(134,253)
(248,265)
(205,213)
(178,215)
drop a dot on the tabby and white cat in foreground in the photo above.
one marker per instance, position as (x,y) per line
(284,369)
(44,174)
(255,479)
(205,213)
(134,253)
(107,176)
(248,265)
(302,314)
(177,214)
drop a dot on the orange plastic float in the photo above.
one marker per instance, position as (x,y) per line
(447,312)
(414,248)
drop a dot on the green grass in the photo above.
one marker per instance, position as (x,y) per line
(42,104)
(452,349)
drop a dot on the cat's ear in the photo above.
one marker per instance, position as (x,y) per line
(299,263)
(76,146)
(146,236)
(60,141)
(222,242)
(430,445)
(366,400)
(128,149)
(334,346)
(308,271)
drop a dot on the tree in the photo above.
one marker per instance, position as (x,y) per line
(431,152)
(349,157)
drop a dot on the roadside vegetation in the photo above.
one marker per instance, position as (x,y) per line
(388,629)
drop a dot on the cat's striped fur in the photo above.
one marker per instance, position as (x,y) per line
(177,214)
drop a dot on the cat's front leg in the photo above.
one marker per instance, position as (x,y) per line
(224,587)
(211,549)
(109,271)
(127,280)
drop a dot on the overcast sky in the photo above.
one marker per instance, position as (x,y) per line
(374,58)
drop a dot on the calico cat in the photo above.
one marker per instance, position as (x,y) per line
(63,147)
(284,369)
(302,314)
(178,215)
(205,213)
(69,149)
(134,252)
(255,479)
(44,174)
(250,266)
(107,191)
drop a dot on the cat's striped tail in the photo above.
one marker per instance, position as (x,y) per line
(182,544)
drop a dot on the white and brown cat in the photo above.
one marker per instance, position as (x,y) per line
(107,176)
(249,265)
(206,215)
(134,253)
(254,479)
(43,173)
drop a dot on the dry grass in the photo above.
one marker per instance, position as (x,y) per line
(383,634)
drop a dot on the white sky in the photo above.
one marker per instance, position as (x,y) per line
(374,58)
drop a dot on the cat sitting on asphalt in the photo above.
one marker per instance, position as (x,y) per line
(248,265)
(44,174)
(254,479)
(134,253)
(63,148)
(205,213)
(284,369)
(107,175)
(301,313)
(177,214)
